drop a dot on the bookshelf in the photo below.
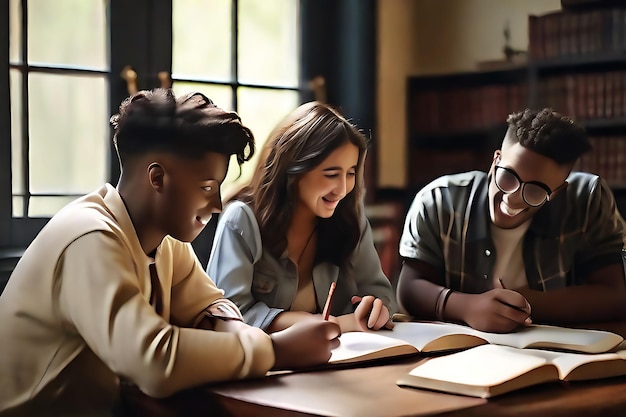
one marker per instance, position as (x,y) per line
(576,65)
(456,121)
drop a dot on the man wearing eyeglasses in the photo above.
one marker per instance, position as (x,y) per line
(530,238)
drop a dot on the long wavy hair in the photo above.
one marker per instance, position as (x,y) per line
(302,141)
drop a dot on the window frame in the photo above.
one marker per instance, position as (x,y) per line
(336,42)
(139,35)
(5,131)
(134,38)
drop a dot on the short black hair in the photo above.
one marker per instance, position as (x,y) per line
(188,126)
(548,133)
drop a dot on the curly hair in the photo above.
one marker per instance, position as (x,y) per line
(298,144)
(548,133)
(188,126)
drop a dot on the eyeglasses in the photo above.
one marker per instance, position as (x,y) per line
(534,193)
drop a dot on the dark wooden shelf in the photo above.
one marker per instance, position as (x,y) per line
(580,63)
(589,4)
(468,79)
(474,139)
(605,125)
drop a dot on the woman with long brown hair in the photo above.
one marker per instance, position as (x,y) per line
(300,226)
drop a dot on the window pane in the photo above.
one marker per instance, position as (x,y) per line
(68,32)
(68,133)
(17,166)
(221,95)
(47,206)
(260,110)
(201,46)
(18,206)
(268,52)
(15,31)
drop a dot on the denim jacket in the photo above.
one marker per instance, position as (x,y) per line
(262,285)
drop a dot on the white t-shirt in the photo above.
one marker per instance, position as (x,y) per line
(509,264)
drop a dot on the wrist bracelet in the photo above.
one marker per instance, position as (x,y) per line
(445,301)
(441,301)
(438,300)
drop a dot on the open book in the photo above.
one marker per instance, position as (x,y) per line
(428,337)
(489,370)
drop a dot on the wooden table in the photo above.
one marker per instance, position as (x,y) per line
(371,391)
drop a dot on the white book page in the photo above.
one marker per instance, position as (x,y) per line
(567,362)
(541,336)
(420,334)
(358,344)
(485,365)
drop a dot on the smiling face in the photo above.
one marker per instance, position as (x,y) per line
(190,194)
(508,211)
(321,189)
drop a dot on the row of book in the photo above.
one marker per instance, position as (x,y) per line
(607,159)
(585,96)
(465,108)
(428,164)
(567,33)
(582,96)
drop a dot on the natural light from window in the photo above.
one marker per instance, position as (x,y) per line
(60,136)
(66,132)
(267,63)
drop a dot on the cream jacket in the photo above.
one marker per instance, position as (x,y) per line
(75,315)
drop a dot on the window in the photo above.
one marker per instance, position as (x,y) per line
(244,56)
(62,82)
(58,131)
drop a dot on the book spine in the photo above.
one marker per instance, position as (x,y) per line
(535,38)
(609,93)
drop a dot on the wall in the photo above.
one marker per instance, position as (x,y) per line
(417,37)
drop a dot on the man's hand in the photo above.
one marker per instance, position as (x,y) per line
(497,310)
(304,344)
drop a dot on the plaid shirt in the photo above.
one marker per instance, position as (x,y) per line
(448,227)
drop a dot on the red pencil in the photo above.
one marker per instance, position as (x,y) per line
(329,300)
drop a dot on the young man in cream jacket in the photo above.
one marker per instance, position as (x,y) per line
(111,289)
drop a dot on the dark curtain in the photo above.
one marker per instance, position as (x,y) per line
(339,43)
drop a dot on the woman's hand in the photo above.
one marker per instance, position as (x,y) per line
(371,313)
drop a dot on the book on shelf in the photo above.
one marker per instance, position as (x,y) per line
(489,370)
(575,33)
(435,337)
